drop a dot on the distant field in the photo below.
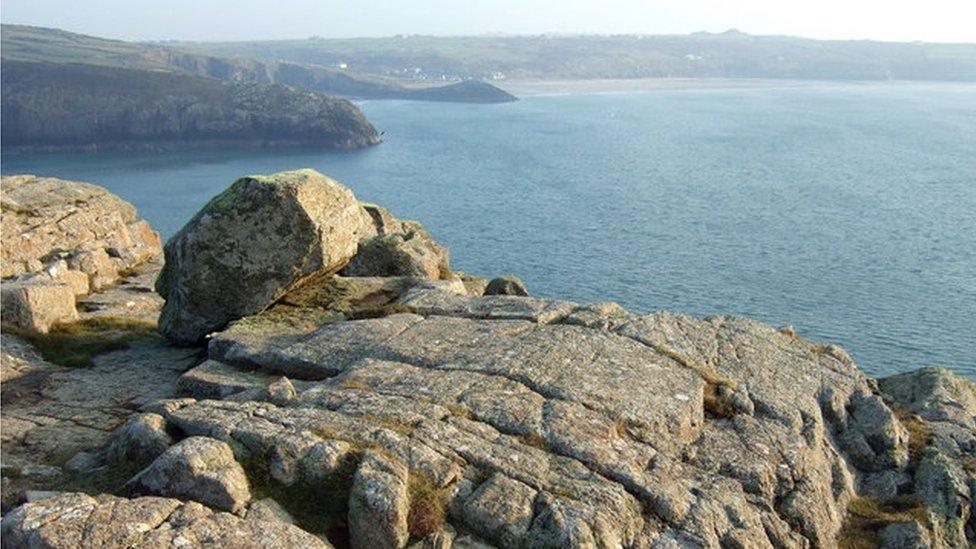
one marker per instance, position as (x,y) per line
(729,55)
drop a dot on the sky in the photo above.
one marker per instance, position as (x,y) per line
(894,20)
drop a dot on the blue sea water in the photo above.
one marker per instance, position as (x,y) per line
(846,210)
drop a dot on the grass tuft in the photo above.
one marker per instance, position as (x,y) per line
(535,440)
(428,506)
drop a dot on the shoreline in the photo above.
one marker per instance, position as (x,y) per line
(541,87)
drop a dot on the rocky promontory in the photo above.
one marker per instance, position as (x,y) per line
(67,107)
(335,383)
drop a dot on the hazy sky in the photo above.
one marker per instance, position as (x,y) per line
(902,20)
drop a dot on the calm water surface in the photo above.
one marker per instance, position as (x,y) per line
(848,211)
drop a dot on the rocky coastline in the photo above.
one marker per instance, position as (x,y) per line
(322,378)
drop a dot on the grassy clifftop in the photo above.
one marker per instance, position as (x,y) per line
(34,44)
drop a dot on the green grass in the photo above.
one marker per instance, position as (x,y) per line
(76,344)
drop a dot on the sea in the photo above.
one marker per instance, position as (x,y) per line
(847,210)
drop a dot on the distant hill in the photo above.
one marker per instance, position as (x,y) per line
(729,55)
(74,106)
(35,44)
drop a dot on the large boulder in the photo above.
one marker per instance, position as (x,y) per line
(47,219)
(251,244)
(197,468)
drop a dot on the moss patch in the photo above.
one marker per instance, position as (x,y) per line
(76,344)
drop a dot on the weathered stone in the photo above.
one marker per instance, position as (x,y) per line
(141,439)
(606,316)
(71,520)
(501,509)
(378,504)
(506,285)
(268,510)
(904,535)
(37,305)
(473,285)
(413,253)
(59,271)
(96,263)
(214,379)
(501,381)
(251,244)
(197,468)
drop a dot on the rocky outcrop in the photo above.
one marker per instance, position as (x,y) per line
(939,410)
(60,228)
(399,411)
(642,428)
(60,241)
(71,106)
(251,244)
(72,520)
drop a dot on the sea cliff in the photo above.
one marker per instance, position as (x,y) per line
(327,380)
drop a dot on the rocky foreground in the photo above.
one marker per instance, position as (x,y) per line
(331,382)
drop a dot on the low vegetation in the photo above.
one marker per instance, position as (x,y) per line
(77,344)
(866,517)
(919,434)
(428,506)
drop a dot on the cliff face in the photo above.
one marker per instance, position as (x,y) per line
(86,107)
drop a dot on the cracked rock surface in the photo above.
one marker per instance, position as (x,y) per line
(78,520)
(537,422)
